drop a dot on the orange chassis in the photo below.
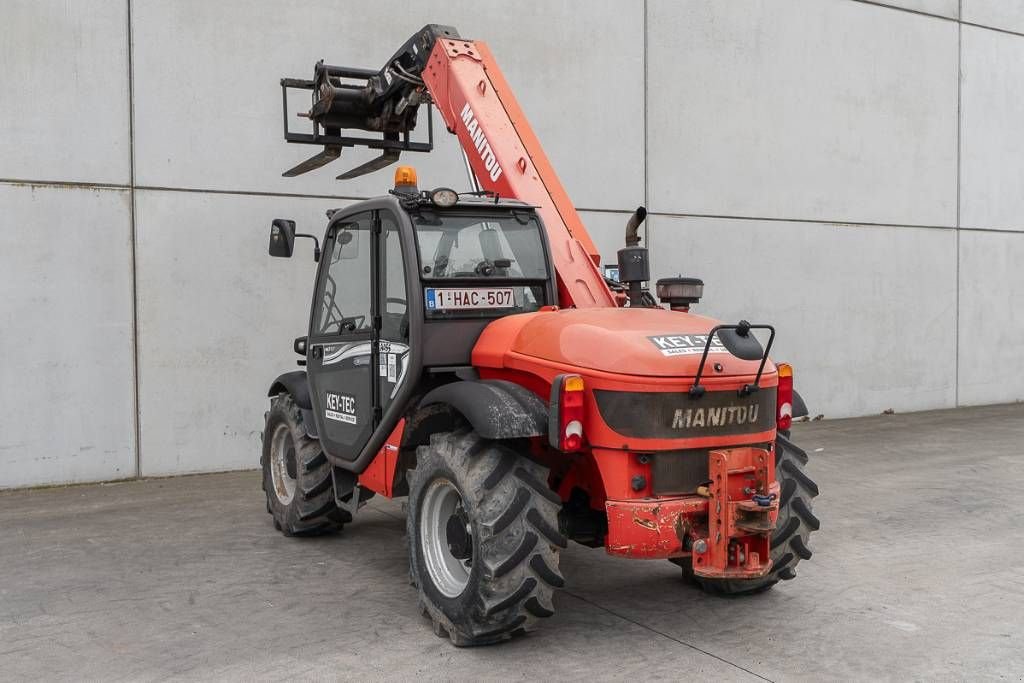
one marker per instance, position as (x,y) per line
(721,525)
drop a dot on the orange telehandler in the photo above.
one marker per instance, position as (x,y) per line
(467,350)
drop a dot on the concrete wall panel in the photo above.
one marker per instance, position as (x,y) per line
(217,317)
(209,116)
(991,318)
(1007,15)
(66,343)
(992,137)
(803,109)
(865,314)
(836,113)
(64,91)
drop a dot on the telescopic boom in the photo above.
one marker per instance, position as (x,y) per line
(462,80)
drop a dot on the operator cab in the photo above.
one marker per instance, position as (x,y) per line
(406,285)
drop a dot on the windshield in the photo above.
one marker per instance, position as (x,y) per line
(481,265)
(504,246)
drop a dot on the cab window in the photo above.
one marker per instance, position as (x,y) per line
(493,247)
(344,296)
(481,264)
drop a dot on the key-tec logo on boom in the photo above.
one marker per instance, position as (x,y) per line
(480,141)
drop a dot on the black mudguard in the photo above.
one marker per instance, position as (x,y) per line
(297,384)
(496,409)
(799,407)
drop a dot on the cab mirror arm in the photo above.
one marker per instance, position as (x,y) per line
(316,245)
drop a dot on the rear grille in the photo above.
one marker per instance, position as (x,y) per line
(682,471)
(679,471)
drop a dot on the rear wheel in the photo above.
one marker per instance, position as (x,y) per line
(794,526)
(296,475)
(483,536)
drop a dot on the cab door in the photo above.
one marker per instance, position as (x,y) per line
(341,354)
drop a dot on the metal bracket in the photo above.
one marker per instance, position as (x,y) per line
(743,328)
(353,502)
(391,143)
(737,543)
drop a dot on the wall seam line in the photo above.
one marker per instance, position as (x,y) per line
(959,19)
(992,28)
(905,10)
(134,257)
(350,198)
(670,214)
(821,221)
(253,193)
(66,183)
(959,182)
(647,175)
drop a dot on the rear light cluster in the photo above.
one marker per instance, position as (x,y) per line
(565,422)
(784,412)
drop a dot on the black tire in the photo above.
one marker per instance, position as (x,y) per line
(512,516)
(795,523)
(310,509)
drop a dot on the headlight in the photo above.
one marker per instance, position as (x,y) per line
(444,197)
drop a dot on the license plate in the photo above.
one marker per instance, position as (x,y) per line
(469,298)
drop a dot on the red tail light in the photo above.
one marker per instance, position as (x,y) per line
(565,421)
(784,412)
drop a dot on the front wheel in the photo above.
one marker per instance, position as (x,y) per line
(296,475)
(795,523)
(483,538)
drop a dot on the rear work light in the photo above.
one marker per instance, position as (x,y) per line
(565,421)
(680,292)
(784,412)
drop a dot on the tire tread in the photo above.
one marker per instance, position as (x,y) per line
(518,546)
(518,555)
(538,486)
(553,535)
(312,511)
(512,512)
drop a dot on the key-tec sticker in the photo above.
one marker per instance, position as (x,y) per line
(686,344)
(468,299)
(341,407)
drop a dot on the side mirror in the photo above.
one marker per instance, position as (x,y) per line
(343,238)
(282,237)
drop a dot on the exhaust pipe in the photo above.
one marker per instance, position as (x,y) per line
(634,267)
(633,226)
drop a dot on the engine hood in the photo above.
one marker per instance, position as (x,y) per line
(629,341)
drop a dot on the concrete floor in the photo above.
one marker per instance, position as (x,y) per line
(918,573)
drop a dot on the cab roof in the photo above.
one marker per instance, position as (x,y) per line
(466,201)
(407,203)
